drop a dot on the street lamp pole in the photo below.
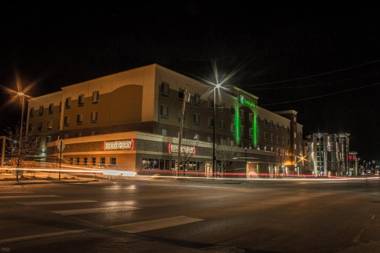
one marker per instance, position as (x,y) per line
(21,129)
(214,135)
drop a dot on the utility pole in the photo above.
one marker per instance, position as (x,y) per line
(185,100)
(20,137)
(214,135)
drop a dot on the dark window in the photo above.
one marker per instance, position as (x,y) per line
(40,127)
(68,103)
(196,99)
(113,160)
(181,94)
(93,159)
(210,122)
(79,119)
(66,121)
(95,97)
(51,106)
(81,100)
(196,118)
(41,110)
(31,114)
(211,103)
(222,124)
(85,160)
(164,89)
(78,160)
(102,161)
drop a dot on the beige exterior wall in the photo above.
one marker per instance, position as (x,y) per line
(120,102)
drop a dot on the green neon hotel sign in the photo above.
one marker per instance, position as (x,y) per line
(243,101)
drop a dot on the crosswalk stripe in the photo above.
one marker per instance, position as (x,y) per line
(95,210)
(27,196)
(56,202)
(156,224)
(38,236)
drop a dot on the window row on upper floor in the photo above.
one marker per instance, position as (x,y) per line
(68,104)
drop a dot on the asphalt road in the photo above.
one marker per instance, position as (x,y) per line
(184,216)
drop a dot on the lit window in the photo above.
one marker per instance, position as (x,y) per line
(164,132)
(164,111)
(50,125)
(94,117)
(95,97)
(102,161)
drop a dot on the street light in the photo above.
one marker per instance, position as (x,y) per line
(301,159)
(21,94)
(216,86)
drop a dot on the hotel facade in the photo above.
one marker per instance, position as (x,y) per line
(130,120)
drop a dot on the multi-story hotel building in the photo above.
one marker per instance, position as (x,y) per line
(328,153)
(130,120)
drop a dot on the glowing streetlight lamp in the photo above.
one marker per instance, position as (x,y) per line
(19,94)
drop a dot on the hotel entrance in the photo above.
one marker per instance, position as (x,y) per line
(252,169)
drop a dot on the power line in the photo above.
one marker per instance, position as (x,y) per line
(324,95)
(317,75)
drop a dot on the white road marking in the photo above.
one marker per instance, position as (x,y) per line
(95,210)
(38,236)
(27,196)
(56,202)
(156,224)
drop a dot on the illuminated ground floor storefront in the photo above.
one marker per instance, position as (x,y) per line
(148,153)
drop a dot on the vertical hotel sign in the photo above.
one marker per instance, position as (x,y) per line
(119,145)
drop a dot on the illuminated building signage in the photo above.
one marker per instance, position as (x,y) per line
(173,148)
(251,104)
(118,145)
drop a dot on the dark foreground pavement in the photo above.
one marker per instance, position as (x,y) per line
(184,216)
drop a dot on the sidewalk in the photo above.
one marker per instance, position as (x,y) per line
(44,178)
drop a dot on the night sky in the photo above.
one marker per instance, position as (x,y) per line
(323,64)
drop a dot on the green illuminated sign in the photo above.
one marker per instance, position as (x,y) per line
(243,101)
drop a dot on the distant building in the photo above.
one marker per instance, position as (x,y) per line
(130,120)
(327,154)
(353,163)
